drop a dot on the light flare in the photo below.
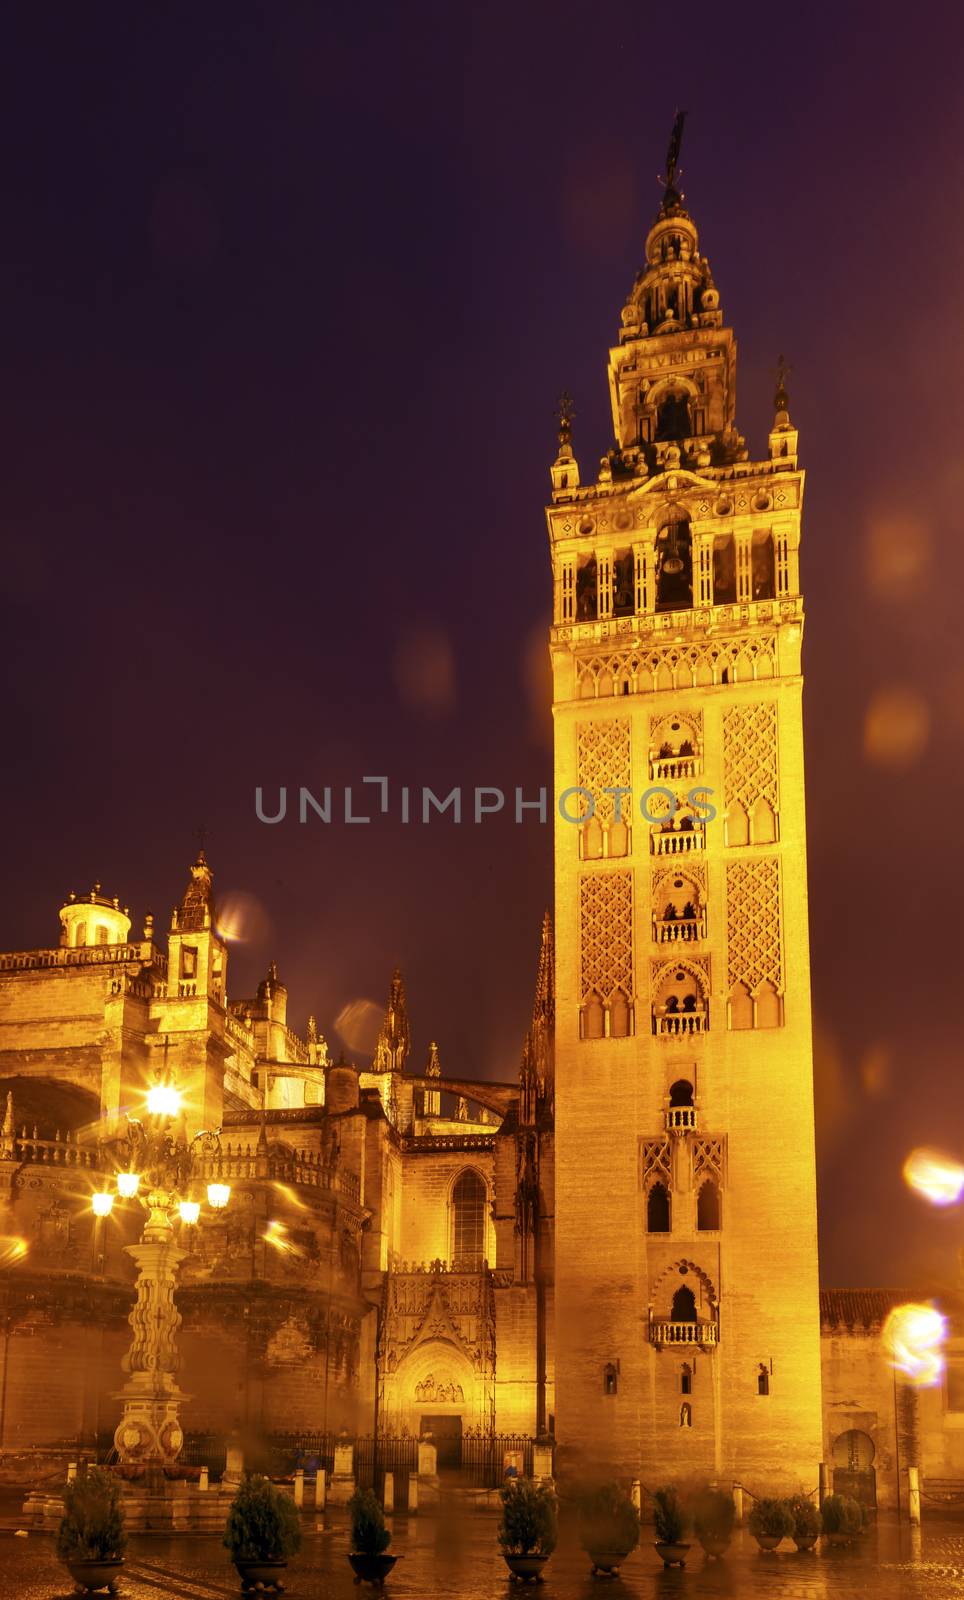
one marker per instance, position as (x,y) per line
(163,1100)
(128,1184)
(218,1195)
(102,1203)
(912,1337)
(935,1176)
(189,1210)
(12,1248)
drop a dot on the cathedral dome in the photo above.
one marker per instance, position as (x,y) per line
(93,918)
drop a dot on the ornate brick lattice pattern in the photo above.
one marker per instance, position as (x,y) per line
(708,1158)
(606,926)
(754,945)
(655,1162)
(750,755)
(677,666)
(604,762)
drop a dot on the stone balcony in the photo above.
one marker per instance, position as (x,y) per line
(675,841)
(681,1024)
(678,930)
(681,1119)
(706,1334)
(674,767)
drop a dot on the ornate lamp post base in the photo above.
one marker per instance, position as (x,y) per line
(149,1431)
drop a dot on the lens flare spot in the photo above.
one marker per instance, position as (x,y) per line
(424,668)
(912,1337)
(242,918)
(357,1024)
(935,1176)
(12,1248)
(896,729)
(897,553)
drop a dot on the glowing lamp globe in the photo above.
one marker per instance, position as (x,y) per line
(128,1184)
(163,1100)
(218,1195)
(102,1203)
(190,1210)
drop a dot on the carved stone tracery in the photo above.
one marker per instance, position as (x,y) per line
(606,924)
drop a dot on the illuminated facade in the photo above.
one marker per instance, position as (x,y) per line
(686,1235)
(376,1268)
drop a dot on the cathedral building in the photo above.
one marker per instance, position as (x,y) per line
(615,1247)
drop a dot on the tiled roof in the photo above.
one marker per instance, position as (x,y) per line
(861,1308)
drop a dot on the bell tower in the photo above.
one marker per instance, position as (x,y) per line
(687,1320)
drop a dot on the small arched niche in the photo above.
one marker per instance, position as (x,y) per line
(708,1208)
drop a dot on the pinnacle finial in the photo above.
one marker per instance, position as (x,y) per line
(565,411)
(781,399)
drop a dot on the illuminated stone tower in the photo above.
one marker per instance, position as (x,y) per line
(687,1324)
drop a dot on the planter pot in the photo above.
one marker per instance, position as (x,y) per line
(714,1547)
(261,1574)
(805,1543)
(95,1574)
(672,1555)
(836,1539)
(606,1563)
(768,1541)
(527,1569)
(370,1568)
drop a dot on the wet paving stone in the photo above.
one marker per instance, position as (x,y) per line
(453,1556)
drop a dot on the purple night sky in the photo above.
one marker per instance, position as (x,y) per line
(288,295)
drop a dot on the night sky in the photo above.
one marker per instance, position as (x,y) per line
(287,295)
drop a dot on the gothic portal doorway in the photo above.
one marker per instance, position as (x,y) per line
(853,1467)
(447,1436)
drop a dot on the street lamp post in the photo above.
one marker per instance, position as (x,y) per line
(162,1172)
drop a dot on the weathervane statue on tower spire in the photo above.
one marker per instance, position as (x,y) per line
(672,195)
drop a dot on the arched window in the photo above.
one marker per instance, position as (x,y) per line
(587,598)
(657,1209)
(763,823)
(686,1378)
(762,568)
(737,823)
(103,934)
(741,1007)
(619,1016)
(763,1379)
(80,933)
(674,567)
(673,417)
(610,1378)
(708,1207)
(468,1219)
(768,1010)
(684,1305)
(681,1093)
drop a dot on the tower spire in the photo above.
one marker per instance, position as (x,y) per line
(394,1036)
(672,196)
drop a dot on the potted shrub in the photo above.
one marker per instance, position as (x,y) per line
(671,1524)
(608,1527)
(529,1527)
(806,1521)
(770,1521)
(713,1517)
(91,1537)
(262,1530)
(370,1539)
(840,1519)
